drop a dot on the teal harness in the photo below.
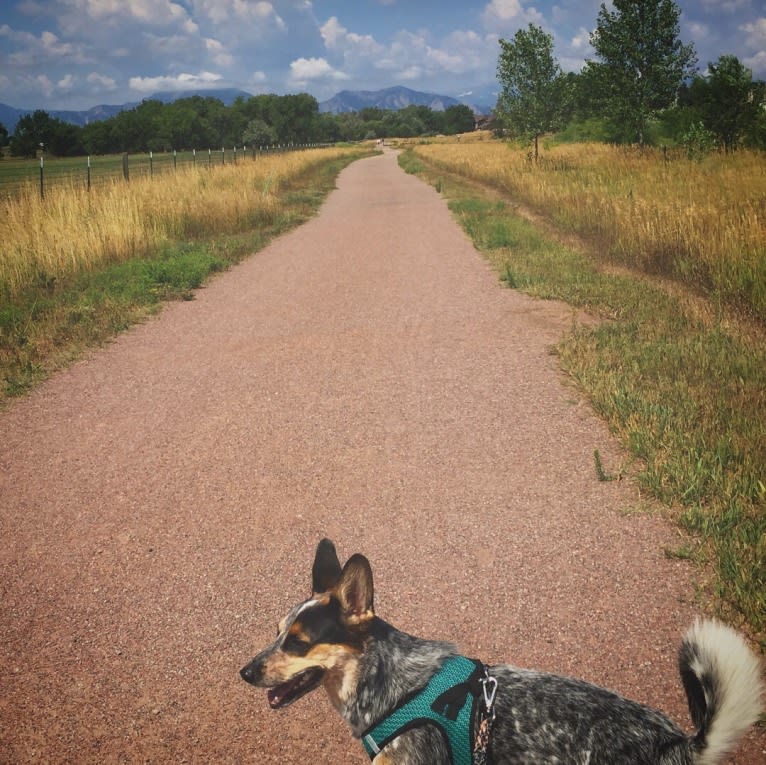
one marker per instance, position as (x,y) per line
(448,702)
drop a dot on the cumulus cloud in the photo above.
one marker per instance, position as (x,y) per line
(337,37)
(218,54)
(508,15)
(223,11)
(755,33)
(157,13)
(304,70)
(182,81)
(101,82)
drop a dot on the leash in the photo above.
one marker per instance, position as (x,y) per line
(486,713)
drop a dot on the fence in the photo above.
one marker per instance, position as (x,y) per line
(16,174)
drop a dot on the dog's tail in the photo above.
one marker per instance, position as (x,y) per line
(722,678)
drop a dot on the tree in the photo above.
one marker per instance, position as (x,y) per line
(258,133)
(731,105)
(458,119)
(41,131)
(3,135)
(530,80)
(642,63)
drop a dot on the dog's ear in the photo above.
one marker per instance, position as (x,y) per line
(326,570)
(355,590)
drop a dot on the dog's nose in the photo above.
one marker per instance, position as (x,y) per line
(250,673)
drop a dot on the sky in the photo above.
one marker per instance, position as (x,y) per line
(75,54)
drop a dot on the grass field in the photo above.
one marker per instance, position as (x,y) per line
(702,223)
(681,385)
(77,266)
(16,174)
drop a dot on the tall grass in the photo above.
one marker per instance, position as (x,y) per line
(686,395)
(71,229)
(702,223)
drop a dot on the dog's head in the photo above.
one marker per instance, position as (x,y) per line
(320,640)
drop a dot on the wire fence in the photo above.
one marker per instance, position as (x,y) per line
(44,172)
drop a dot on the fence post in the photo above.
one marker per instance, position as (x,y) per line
(223,155)
(125,170)
(88,172)
(175,160)
(42,175)
(151,163)
(194,157)
(209,157)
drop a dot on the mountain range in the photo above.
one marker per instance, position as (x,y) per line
(395,98)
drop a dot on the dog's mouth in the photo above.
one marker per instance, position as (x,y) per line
(286,693)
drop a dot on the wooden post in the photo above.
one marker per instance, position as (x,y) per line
(42,181)
(125,170)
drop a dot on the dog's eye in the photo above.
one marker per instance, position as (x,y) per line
(295,645)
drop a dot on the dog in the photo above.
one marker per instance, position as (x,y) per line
(398,698)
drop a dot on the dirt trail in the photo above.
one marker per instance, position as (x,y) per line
(364,377)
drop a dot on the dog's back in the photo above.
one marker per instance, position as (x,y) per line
(544,718)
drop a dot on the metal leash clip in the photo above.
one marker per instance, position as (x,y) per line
(489,686)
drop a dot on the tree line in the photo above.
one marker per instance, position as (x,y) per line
(205,122)
(643,86)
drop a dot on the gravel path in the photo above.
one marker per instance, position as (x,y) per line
(364,377)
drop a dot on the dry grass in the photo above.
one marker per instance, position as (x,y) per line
(703,223)
(73,230)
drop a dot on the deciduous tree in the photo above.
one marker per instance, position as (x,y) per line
(642,63)
(732,103)
(530,80)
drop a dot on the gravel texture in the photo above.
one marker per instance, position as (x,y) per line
(365,377)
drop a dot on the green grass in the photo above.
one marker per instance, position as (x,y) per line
(687,397)
(52,322)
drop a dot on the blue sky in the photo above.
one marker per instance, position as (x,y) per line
(74,54)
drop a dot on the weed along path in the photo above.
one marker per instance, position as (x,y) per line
(364,377)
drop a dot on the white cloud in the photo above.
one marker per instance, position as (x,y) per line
(100,81)
(581,40)
(724,5)
(44,85)
(153,12)
(218,54)
(180,82)
(65,83)
(698,31)
(337,38)
(304,70)
(238,11)
(508,15)
(755,34)
(757,64)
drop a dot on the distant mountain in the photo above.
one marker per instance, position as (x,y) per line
(389,98)
(9,115)
(480,100)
